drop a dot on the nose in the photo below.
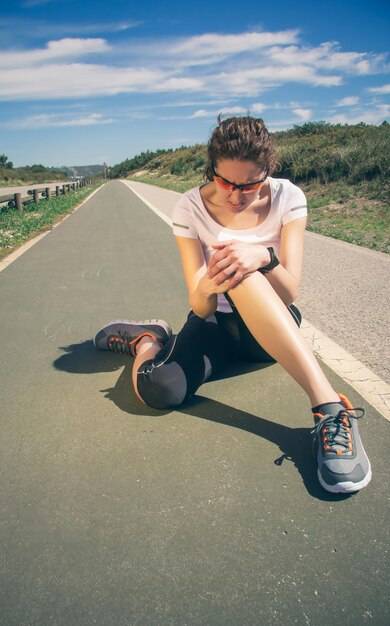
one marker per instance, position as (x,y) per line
(236,195)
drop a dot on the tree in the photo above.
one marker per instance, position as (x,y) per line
(5,163)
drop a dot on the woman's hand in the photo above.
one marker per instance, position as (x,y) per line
(209,285)
(234,260)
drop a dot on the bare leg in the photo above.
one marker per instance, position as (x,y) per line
(271,324)
(147,348)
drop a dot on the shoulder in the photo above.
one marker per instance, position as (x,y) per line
(184,213)
(189,199)
(285,188)
(291,199)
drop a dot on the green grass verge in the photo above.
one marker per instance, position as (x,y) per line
(17,227)
(173,183)
(350,213)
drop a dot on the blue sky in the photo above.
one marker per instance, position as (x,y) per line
(84,82)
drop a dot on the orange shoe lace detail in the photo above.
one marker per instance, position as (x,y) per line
(335,431)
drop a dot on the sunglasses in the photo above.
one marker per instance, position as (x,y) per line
(229,186)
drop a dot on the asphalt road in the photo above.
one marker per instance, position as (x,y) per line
(116,514)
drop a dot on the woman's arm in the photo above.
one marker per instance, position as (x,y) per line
(202,288)
(286,277)
(234,260)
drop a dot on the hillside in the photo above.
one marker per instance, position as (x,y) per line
(37,173)
(343,169)
(88,171)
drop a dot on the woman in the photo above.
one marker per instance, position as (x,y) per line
(240,238)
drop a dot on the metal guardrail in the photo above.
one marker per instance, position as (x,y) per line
(35,195)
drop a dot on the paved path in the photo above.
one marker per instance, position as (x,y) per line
(116,514)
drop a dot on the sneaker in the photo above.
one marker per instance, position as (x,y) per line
(123,335)
(343,466)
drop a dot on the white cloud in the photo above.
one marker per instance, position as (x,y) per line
(348,101)
(83,80)
(304,114)
(376,115)
(254,81)
(45,120)
(381,90)
(209,65)
(176,84)
(327,56)
(61,49)
(209,45)
(202,113)
(233,111)
(257,107)
(22,29)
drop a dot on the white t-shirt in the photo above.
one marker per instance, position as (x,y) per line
(191,219)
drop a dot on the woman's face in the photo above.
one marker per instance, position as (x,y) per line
(238,173)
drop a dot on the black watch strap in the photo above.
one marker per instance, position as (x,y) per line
(273,263)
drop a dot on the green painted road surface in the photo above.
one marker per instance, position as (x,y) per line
(115,514)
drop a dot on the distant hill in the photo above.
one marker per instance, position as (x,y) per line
(84,170)
(38,173)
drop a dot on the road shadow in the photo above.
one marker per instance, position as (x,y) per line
(295,444)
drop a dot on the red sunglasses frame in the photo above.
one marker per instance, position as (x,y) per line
(245,187)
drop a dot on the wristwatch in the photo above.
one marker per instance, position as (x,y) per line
(274,262)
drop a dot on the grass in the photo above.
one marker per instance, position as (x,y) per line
(347,212)
(17,227)
(167,181)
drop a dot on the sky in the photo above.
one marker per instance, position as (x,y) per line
(85,82)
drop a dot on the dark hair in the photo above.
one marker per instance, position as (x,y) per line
(242,138)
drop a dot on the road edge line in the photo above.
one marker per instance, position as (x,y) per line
(151,206)
(375,390)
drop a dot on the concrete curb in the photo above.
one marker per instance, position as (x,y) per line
(361,378)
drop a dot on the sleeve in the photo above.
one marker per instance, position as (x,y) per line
(183,221)
(295,205)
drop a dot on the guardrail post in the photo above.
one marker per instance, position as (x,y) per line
(57,190)
(64,189)
(47,193)
(18,201)
(36,195)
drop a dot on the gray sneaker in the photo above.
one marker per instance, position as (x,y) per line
(343,465)
(123,335)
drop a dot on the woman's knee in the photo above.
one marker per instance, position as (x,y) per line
(161,386)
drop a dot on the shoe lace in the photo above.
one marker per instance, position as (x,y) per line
(120,343)
(335,431)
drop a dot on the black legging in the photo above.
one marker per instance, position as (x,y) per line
(201,349)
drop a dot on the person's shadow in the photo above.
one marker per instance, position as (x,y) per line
(295,444)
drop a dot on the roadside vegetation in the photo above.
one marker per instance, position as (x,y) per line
(343,169)
(11,176)
(16,227)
